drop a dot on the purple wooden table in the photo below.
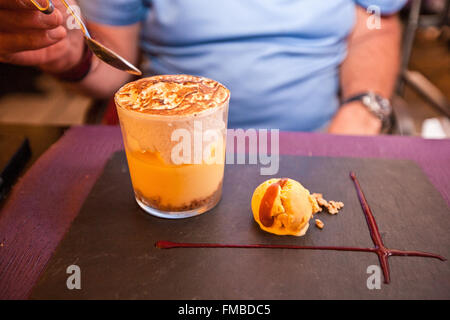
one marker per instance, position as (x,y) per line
(46,200)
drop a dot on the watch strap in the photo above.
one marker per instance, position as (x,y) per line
(357,97)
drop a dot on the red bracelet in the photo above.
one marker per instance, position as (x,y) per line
(80,70)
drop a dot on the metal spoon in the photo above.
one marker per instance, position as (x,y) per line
(103,53)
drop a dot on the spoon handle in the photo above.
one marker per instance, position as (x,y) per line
(77,19)
(47,9)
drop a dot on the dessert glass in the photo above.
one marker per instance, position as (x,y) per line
(174,133)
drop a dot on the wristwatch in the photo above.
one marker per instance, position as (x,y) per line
(378,106)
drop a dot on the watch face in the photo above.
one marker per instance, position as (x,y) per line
(384,105)
(378,105)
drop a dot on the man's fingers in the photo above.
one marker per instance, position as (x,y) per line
(37,57)
(15,20)
(30,40)
(21,4)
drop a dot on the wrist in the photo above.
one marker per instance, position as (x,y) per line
(363,115)
(80,70)
(377,105)
(75,56)
(354,118)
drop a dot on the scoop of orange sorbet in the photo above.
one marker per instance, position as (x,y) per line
(283,207)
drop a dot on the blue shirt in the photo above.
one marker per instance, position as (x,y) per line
(279,58)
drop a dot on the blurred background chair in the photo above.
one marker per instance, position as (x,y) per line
(431,19)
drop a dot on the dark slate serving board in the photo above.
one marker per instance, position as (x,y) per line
(112,240)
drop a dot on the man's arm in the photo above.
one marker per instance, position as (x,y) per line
(371,65)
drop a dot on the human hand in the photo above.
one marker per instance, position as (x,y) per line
(354,119)
(30,37)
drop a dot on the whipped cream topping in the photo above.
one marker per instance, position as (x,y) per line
(172,95)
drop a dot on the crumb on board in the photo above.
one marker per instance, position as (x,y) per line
(319,224)
(333,207)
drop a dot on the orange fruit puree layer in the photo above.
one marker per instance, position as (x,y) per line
(172,185)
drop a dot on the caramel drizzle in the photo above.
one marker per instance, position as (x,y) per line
(267,201)
(380,249)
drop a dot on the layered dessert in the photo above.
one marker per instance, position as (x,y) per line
(174,130)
